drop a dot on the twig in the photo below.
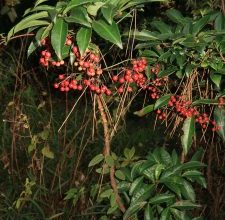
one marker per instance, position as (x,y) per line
(106,152)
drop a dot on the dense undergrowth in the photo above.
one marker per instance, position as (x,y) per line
(50,139)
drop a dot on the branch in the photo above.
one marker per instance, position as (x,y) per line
(106,152)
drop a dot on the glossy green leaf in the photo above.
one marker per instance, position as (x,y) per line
(185,205)
(108,32)
(158,170)
(205,102)
(75,3)
(136,185)
(143,194)
(161,26)
(144,111)
(79,15)
(175,16)
(161,198)
(198,25)
(192,165)
(108,12)
(29,21)
(148,213)
(107,193)
(187,191)
(219,22)
(58,36)
(93,9)
(165,156)
(162,101)
(165,215)
(135,208)
(120,175)
(167,71)
(219,115)
(189,132)
(216,78)
(96,160)
(133,3)
(83,38)
(143,35)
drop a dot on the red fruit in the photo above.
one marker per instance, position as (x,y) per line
(75,50)
(129,89)
(92,56)
(121,80)
(68,42)
(62,62)
(120,90)
(115,78)
(86,64)
(79,87)
(56,85)
(108,92)
(61,76)
(47,55)
(99,71)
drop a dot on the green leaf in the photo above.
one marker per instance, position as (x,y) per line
(219,115)
(108,12)
(135,208)
(148,214)
(205,102)
(162,101)
(187,191)
(185,205)
(189,132)
(216,78)
(198,25)
(108,32)
(136,185)
(158,170)
(29,21)
(165,156)
(144,111)
(75,3)
(93,9)
(165,215)
(58,36)
(83,39)
(96,160)
(109,160)
(32,47)
(79,15)
(120,175)
(191,173)
(132,3)
(167,71)
(143,35)
(175,16)
(192,165)
(47,152)
(161,26)
(143,193)
(161,198)
(219,22)
(107,193)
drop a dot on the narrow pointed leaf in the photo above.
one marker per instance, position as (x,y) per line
(83,39)
(148,214)
(96,160)
(108,12)
(58,36)
(135,208)
(108,32)
(189,131)
(144,111)
(76,3)
(162,101)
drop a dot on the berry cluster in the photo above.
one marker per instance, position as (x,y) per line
(185,109)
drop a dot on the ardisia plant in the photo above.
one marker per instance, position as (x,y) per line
(179,67)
